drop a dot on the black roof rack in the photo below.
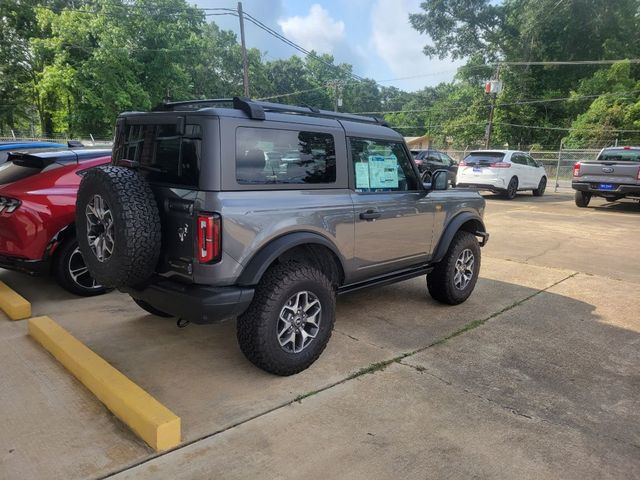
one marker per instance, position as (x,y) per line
(255,109)
(194,104)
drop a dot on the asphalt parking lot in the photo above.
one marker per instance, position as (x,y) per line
(537,375)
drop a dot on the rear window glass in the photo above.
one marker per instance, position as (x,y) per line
(485,157)
(620,155)
(164,155)
(10,172)
(270,156)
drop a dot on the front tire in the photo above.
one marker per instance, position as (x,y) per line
(453,279)
(289,322)
(582,199)
(72,273)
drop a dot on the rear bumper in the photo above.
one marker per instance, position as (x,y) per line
(196,303)
(31,267)
(633,190)
(480,186)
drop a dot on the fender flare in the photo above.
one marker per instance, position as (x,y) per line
(452,228)
(260,262)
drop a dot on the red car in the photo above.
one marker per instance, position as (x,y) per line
(37,214)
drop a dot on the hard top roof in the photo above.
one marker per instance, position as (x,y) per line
(238,107)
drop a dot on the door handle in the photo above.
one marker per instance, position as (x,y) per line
(370,215)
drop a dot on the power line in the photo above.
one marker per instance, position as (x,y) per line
(293,93)
(571,62)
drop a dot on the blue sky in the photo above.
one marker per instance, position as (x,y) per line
(373,35)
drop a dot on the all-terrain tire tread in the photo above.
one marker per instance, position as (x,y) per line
(136,222)
(440,282)
(253,329)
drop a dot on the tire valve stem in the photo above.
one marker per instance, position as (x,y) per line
(181,323)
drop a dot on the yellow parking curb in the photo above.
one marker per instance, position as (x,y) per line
(147,417)
(15,306)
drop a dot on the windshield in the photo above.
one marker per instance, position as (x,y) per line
(619,155)
(483,157)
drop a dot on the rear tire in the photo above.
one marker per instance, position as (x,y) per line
(269,332)
(72,273)
(151,309)
(538,192)
(512,189)
(452,280)
(582,199)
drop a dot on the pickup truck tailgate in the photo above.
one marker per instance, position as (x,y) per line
(623,172)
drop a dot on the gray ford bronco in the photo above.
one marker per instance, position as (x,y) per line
(236,208)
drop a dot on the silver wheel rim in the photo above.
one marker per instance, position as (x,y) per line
(298,322)
(464,269)
(100,228)
(79,272)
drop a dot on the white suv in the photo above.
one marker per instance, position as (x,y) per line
(502,171)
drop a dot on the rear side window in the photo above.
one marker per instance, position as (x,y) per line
(483,158)
(10,172)
(519,159)
(164,155)
(620,155)
(271,156)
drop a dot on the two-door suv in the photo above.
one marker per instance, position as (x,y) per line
(265,212)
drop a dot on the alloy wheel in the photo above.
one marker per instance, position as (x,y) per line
(464,269)
(100,228)
(298,322)
(79,272)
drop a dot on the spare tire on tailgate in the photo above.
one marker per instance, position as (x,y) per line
(118,226)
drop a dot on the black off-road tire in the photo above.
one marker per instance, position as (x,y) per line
(256,328)
(582,199)
(151,309)
(542,186)
(441,280)
(64,262)
(512,189)
(136,225)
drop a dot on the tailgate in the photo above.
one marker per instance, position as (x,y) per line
(614,173)
(178,230)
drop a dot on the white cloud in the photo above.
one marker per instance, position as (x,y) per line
(317,31)
(399,45)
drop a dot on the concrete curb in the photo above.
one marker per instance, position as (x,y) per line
(147,417)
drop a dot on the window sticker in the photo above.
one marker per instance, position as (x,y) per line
(383,171)
(362,176)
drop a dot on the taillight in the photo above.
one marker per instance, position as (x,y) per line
(208,238)
(9,205)
(576,170)
(638,177)
(500,165)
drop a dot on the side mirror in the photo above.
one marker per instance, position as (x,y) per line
(438,180)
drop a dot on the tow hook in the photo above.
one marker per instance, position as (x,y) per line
(181,323)
(483,236)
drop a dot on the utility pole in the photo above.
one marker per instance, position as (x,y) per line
(493,88)
(245,63)
(490,124)
(337,85)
